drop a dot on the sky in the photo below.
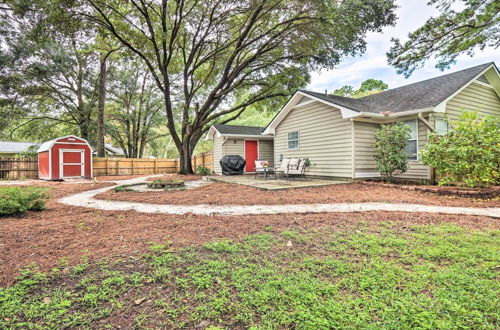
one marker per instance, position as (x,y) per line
(373,63)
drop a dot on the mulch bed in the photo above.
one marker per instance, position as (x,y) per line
(483,193)
(225,194)
(69,233)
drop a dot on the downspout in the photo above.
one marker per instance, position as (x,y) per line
(432,170)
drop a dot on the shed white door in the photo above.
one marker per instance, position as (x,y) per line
(72,163)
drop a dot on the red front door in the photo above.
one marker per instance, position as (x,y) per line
(72,163)
(251,155)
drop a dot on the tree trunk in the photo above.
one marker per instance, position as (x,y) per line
(101,152)
(185,154)
(84,130)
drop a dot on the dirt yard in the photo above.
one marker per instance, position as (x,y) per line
(224,194)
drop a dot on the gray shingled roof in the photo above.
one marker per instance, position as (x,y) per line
(12,147)
(347,102)
(420,95)
(114,150)
(239,130)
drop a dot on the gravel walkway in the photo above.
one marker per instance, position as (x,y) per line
(86,199)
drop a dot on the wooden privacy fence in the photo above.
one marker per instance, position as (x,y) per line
(18,168)
(14,168)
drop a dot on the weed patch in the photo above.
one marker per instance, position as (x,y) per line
(365,277)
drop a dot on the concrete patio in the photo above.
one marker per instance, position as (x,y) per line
(273,184)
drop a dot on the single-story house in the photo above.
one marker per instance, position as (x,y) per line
(112,151)
(245,141)
(13,148)
(337,133)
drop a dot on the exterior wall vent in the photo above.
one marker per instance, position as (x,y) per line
(483,79)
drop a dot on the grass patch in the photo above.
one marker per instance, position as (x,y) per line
(365,277)
(126,187)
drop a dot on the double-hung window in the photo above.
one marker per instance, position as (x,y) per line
(441,126)
(293,140)
(412,146)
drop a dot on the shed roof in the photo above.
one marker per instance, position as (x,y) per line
(13,147)
(48,144)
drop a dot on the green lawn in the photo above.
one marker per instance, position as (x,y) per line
(368,276)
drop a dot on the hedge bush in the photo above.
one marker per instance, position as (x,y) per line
(469,154)
(17,200)
(390,149)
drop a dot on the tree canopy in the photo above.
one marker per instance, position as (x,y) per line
(211,58)
(368,87)
(449,35)
(64,64)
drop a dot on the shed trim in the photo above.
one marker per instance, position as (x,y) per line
(47,145)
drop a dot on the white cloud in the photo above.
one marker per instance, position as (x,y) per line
(373,64)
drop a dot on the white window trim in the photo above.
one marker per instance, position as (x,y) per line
(288,140)
(416,139)
(436,119)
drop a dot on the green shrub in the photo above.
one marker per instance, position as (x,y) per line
(165,184)
(468,154)
(203,170)
(17,200)
(390,145)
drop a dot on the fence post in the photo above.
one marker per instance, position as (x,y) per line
(133,165)
(156,166)
(117,167)
(107,166)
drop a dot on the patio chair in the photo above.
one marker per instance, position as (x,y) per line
(297,168)
(283,168)
(261,167)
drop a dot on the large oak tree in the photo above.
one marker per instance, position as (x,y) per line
(211,59)
(475,26)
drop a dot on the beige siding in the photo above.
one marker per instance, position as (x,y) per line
(234,147)
(364,150)
(417,170)
(364,137)
(303,99)
(266,151)
(237,147)
(474,97)
(324,137)
(217,154)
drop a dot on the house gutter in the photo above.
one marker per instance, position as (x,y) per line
(389,115)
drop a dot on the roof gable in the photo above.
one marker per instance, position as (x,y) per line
(48,144)
(424,94)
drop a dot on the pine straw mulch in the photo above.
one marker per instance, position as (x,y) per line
(227,194)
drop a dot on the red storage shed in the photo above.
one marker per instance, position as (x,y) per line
(65,157)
